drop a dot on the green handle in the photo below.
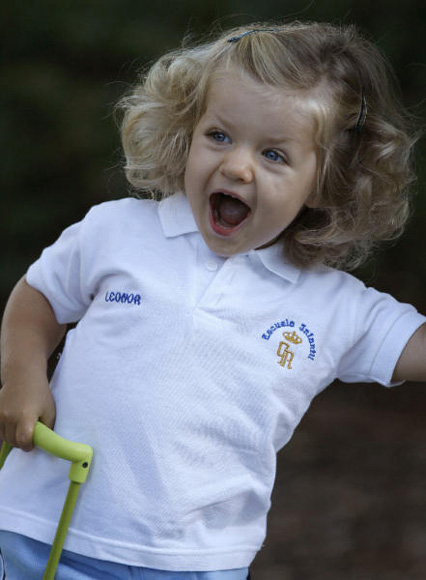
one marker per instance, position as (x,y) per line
(79,454)
(4,452)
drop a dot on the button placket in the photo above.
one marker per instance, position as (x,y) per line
(221,281)
(211,265)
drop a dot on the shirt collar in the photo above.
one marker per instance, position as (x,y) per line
(176,216)
(273,258)
(176,219)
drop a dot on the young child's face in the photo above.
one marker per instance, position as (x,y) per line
(252,164)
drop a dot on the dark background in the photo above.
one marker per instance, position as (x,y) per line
(350,499)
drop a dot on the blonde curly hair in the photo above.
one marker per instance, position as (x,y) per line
(365,165)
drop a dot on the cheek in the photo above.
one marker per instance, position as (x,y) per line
(199,169)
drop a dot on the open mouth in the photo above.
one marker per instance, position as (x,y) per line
(228,213)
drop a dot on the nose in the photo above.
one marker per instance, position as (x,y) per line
(238,165)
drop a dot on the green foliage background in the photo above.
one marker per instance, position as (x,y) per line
(65,64)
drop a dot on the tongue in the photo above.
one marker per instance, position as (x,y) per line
(232,211)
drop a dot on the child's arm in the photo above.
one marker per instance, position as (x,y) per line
(411,365)
(29,335)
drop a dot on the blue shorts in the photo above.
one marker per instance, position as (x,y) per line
(22,557)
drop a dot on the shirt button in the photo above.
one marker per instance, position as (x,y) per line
(211,265)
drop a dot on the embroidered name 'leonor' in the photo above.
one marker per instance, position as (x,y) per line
(123,297)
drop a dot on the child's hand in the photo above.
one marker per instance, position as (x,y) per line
(21,406)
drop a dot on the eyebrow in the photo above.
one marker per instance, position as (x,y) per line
(219,120)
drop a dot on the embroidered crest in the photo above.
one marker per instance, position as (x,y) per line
(286,355)
(287,348)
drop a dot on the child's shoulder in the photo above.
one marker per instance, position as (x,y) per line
(121,213)
(123,206)
(337,285)
(121,217)
(329,275)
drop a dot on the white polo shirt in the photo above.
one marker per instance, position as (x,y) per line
(186,373)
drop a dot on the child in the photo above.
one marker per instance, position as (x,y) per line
(209,320)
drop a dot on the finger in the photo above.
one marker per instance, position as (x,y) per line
(48,418)
(24,435)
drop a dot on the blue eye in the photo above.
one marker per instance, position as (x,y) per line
(218,136)
(273,155)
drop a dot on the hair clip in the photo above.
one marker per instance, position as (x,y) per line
(362,117)
(253,31)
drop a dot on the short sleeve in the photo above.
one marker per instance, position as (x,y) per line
(383,326)
(57,275)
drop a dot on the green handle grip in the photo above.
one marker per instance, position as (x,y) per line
(4,452)
(79,454)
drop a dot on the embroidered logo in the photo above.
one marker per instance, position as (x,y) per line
(284,352)
(286,348)
(123,297)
